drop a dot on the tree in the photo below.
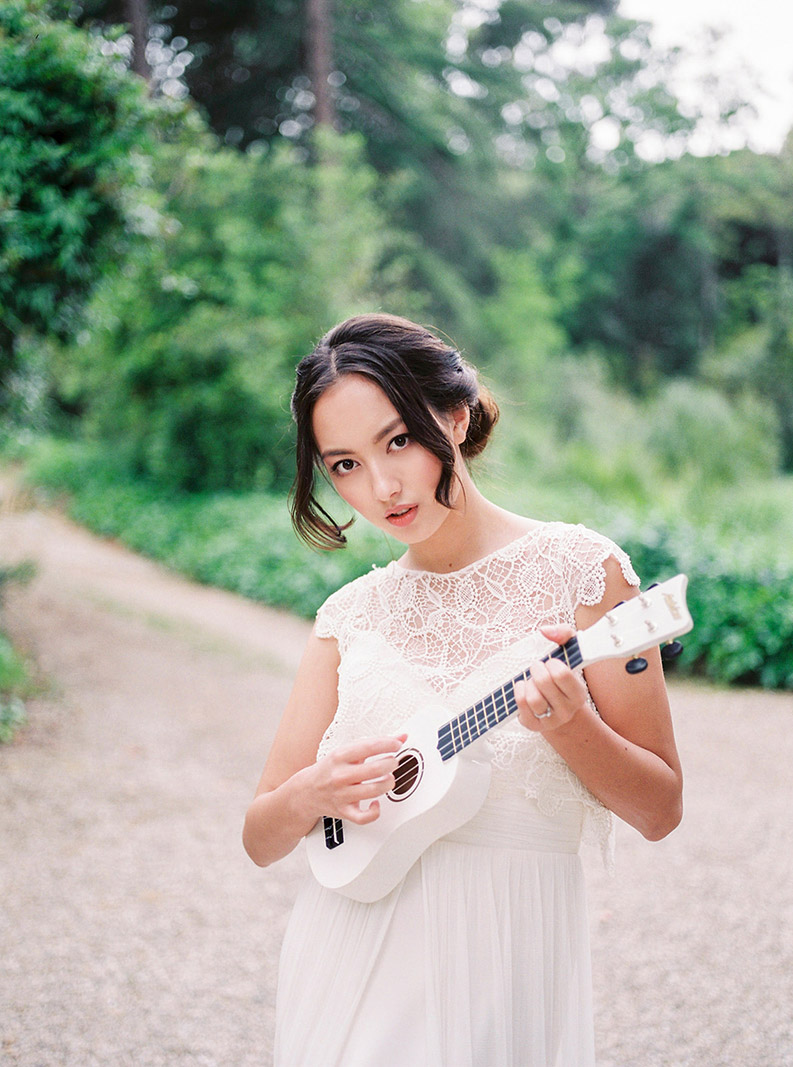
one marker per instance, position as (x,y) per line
(636,273)
(137,15)
(191,342)
(319,59)
(72,119)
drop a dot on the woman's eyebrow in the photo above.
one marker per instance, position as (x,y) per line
(386,430)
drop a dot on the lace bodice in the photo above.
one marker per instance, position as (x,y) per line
(413,638)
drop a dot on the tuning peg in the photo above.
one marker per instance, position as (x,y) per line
(671,651)
(636,665)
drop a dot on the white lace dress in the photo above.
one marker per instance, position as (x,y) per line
(480,956)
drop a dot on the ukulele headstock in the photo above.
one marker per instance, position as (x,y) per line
(654,617)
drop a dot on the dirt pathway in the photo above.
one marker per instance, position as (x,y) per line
(135,933)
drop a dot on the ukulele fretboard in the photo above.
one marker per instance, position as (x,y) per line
(493,709)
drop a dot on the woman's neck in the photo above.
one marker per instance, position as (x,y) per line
(474,528)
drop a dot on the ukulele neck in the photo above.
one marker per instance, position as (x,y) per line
(495,708)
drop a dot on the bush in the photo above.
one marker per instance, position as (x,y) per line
(14,680)
(699,434)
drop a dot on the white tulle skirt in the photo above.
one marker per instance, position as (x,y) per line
(479,958)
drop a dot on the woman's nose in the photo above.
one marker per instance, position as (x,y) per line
(385,485)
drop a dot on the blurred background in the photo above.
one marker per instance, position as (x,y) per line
(595,207)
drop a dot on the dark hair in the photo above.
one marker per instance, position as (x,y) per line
(421,375)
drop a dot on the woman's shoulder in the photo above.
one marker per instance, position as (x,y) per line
(578,555)
(349,601)
(573,557)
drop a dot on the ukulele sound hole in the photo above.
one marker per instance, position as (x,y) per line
(407,774)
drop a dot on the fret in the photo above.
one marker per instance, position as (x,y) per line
(492,711)
(473,725)
(570,653)
(502,703)
(509,698)
(465,732)
(456,735)
(481,717)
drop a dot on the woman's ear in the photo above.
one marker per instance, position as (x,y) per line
(461,419)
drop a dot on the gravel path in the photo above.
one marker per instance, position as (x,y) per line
(134,932)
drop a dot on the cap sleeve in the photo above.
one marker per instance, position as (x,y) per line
(329,617)
(341,614)
(586,560)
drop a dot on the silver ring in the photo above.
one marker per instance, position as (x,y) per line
(546,714)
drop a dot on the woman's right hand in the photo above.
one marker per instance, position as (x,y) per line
(345,784)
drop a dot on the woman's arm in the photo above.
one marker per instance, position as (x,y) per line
(295,789)
(627,757)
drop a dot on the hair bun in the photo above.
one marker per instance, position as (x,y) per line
(484,416)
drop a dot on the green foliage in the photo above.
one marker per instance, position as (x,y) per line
(637,280)
(460,102)
(73,120)
(13,681)
(14,678)
(696,434)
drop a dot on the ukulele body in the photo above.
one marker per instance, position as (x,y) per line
(432,797)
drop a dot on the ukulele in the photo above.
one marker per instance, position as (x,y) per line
(443,770)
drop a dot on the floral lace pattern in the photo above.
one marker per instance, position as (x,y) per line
(413,640)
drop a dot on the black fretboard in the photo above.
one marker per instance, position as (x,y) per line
(495,708)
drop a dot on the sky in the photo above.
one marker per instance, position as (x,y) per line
(758,48)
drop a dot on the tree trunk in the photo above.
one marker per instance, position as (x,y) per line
(138,19)
(319,56)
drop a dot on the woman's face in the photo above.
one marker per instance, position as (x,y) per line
(374,465)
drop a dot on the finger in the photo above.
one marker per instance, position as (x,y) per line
(360,751)
(361,815)
(560,633)
(531,705)
(569,686)
(380,769)
(540,685)
(347,779)
(375,787)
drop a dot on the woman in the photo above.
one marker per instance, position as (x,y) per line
(480,956)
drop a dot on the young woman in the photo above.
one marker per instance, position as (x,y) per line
(480,956)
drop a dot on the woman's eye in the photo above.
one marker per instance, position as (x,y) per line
(400,441)
(344,466)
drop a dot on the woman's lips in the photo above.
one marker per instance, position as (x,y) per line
(402,516)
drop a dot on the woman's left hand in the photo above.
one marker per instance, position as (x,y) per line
(553,694)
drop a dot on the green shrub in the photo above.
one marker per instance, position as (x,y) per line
(14,679)
(698,433)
